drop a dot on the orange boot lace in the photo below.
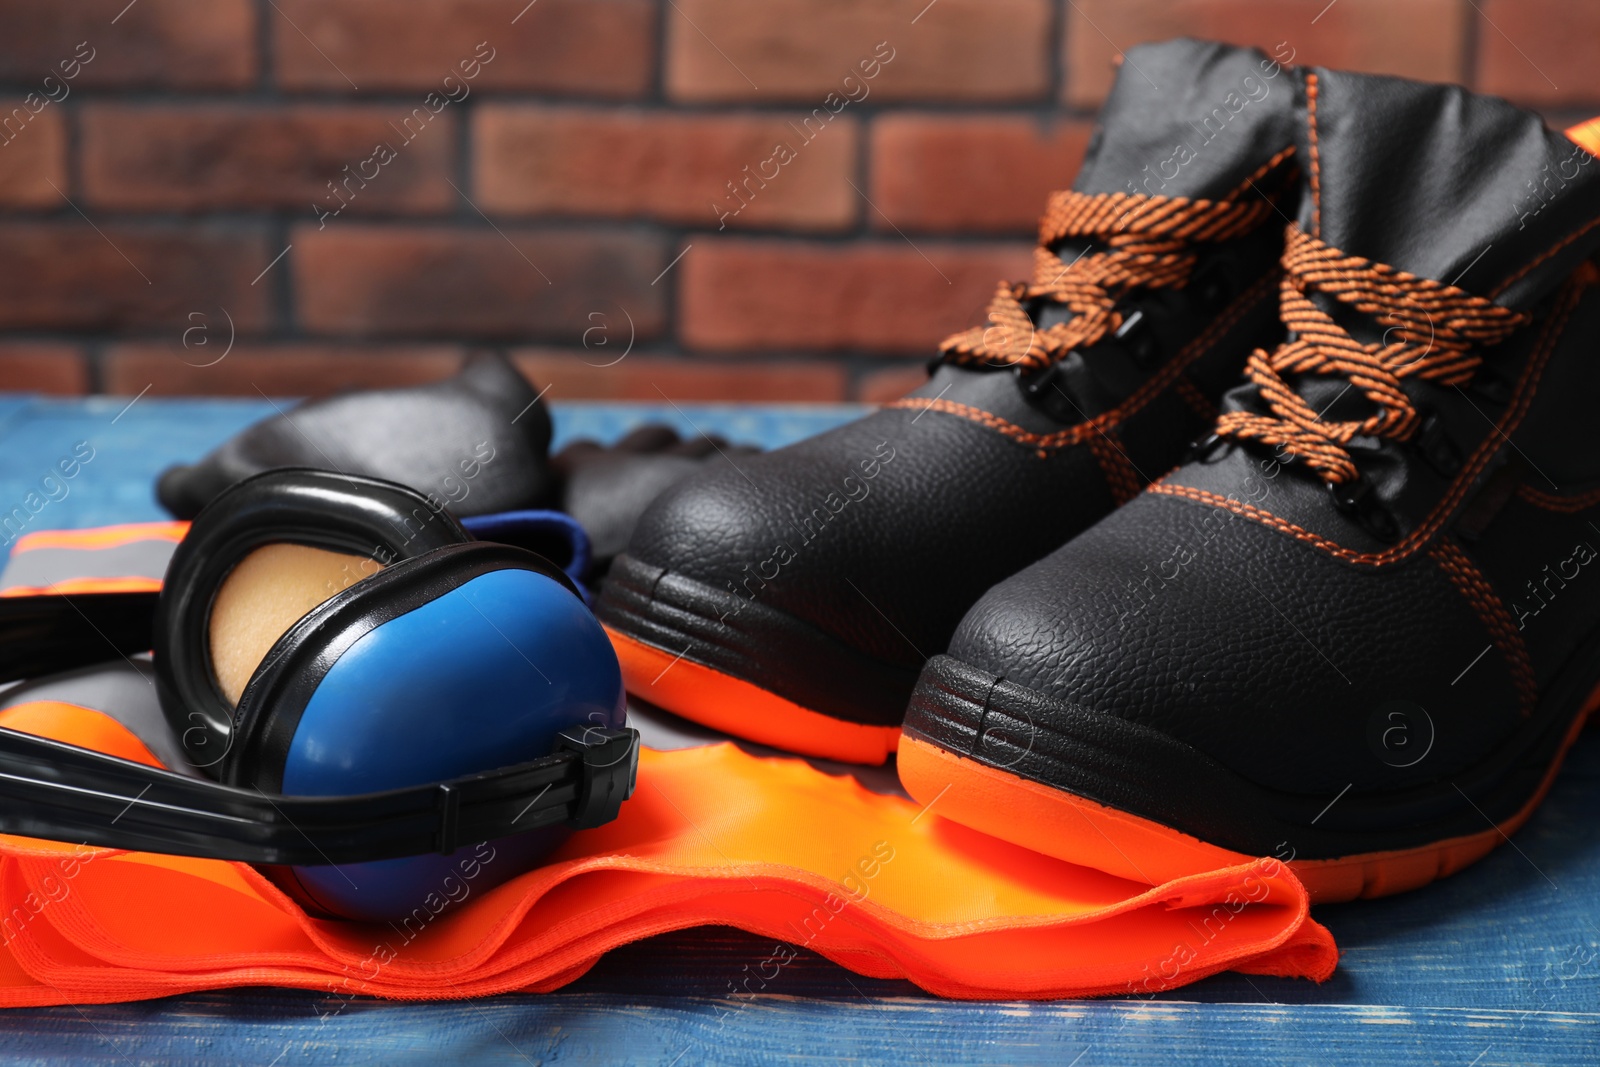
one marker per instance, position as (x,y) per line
(1137,241)
(1432,332)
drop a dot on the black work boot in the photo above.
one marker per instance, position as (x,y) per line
(793,597)
(1358,630)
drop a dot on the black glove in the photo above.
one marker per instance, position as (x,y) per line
(607,489)
(475,443)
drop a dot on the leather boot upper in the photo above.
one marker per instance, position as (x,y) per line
(1401,505)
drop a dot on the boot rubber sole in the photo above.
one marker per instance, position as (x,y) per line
(1074,827)
(750,669)
(732,705)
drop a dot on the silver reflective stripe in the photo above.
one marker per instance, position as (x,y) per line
(126,692)
(46,566)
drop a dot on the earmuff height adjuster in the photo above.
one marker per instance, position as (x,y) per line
(610,770)
(606,767)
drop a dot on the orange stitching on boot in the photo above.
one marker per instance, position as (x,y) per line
(1040,441)
(1316,154)
(1198,402)
(1260,173)
(1148,391)
(1438,330)
(1527,386)
(1491,610)
(1138,241)
(1567,505)
(1557,247)
(1121,477)
(1261,515)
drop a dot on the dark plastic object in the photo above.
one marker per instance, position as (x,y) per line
(66,793)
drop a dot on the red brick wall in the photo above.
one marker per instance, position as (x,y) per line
(567,190)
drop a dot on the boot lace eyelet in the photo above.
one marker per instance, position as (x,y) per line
(1356,499)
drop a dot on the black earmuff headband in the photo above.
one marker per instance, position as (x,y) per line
(65,793)
(42,635)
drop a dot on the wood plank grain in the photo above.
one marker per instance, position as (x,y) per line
(251,1027)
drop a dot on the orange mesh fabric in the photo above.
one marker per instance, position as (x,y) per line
(713,836)
(1586,135)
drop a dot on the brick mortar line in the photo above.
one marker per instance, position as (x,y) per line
(245,219)
(72,148)
(267,103)
(856,368)
(266,49)
(138,92)
(92,359)
(657,90)
(864,130)
(1060,29)
(366,344)
(133,98)
(281,298)
(859,367)
(671,297)
(1471,42)
(245,222)
(462,163)
(767,360)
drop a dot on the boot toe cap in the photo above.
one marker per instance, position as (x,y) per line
(1261,653)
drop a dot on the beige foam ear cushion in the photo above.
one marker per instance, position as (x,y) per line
(267,592)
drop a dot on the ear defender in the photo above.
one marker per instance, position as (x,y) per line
(367,684)
(263,554)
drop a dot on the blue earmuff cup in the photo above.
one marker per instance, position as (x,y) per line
(480,676)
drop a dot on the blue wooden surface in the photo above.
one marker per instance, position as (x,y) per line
(1498,965)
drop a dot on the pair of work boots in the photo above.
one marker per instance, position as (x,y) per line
(1262,522)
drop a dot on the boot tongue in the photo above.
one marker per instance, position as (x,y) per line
(1189,118)
(1447,184)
